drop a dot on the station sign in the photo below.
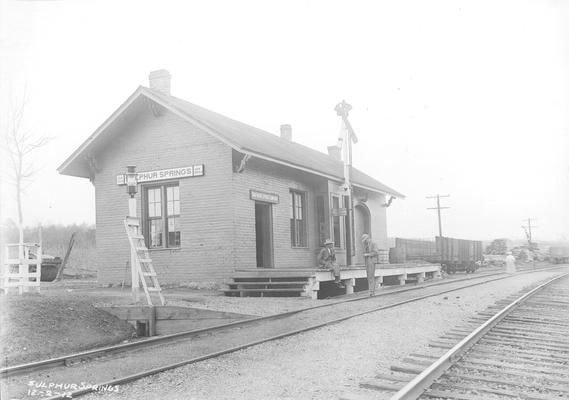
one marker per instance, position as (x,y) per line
(263,196)
(163,174)
(339,212)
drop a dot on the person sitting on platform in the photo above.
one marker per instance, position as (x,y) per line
(327,259)
(370,255)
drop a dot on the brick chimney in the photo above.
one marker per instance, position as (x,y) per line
(286,132)
(160,80)
(335,152)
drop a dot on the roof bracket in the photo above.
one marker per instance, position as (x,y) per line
(157,109)
(391,198)
(242,163)
(93,167)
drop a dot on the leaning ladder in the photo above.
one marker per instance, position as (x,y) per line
(146,272)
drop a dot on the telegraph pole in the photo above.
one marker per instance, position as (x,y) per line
(527,229)
(438,208)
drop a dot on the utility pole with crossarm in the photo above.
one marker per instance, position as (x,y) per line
(527,229)
(438,208)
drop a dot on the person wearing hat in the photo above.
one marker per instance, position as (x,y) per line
(327,259)
(370,257)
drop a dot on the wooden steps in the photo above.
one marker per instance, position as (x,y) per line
(271,283)
(268,284)
(274,273)
(263,290)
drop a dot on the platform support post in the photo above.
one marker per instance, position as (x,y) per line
(402,279)
(152,321)
(312,288)
(378,281)
(350,283)
(420,277)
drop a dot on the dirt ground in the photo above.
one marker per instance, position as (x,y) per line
(37,326)
(63,318)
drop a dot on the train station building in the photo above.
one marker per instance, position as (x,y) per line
(216,194)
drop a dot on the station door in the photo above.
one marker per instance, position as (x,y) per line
(264,234)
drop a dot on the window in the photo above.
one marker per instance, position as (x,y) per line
(297,219)
(155,223)
(162,216)
(173,215)
(336,222)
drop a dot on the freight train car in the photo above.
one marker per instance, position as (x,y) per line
(413,250)
(459,254)
(559,254)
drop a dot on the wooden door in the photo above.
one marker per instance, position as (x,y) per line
(264,234)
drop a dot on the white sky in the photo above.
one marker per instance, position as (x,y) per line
(468,98)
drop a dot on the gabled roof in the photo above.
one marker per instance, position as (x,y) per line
(242,137)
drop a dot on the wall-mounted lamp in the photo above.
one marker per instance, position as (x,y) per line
(131,180)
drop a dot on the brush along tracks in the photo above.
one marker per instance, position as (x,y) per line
(521,351)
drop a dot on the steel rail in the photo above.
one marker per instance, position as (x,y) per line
(417,386)
(102,351)
(154,371)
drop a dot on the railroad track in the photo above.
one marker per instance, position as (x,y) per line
(520,351)
(70,359)
(177,350)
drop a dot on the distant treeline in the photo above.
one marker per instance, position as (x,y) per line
(55,240)
(53,235)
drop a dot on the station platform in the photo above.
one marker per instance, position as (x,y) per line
(308,281)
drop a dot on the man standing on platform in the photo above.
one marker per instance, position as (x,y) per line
(327,259)
(370,256)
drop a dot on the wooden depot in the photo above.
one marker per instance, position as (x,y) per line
(266,201)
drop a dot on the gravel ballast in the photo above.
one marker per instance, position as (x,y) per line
(329,361)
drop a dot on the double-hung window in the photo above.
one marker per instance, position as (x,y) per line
(297,219)
(162,216)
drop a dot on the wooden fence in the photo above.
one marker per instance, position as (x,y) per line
(21,267)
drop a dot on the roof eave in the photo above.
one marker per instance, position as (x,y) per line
(190,119)
(315,172)
(141,90)
(84,146)
(393,193)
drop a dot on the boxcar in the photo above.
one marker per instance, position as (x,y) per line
(414,250)
(459,254)
(559,254)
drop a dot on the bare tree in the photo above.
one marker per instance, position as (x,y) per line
(20,143)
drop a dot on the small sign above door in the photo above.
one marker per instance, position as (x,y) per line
(266,197)
(339,212)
